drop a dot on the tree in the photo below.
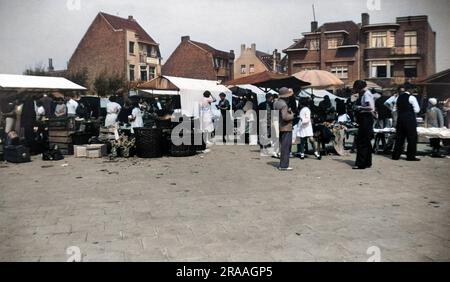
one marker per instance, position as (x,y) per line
(108,84)
(38,70)
(79,77)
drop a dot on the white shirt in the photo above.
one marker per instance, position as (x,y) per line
(413,101)
(391,103)
(113,108)
(137,118)
(367,100)
(72,106)
(40,112)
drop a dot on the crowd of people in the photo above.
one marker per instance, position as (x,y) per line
(367,110)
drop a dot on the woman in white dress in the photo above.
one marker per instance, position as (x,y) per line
(112,111)
(136,117)
(305,131)
(206,118)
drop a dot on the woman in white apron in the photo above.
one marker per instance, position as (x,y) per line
(136,117)
(112,111)
(206,115)
(305,130)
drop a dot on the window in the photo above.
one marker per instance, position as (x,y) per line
(378,39)
(144,73)
(410,69)
(381,69)
(340,72)
(333,43)
(411,42)
(131,47)
(314,44)
(131,72)
(251,68)
(152,72)
(243,69)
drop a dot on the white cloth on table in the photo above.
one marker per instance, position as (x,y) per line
(305,125)
(112,111)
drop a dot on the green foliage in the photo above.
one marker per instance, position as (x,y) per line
(108,84)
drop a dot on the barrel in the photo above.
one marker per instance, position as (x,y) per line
(148,142)
(183,150)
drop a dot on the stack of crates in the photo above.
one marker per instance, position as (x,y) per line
(59,134)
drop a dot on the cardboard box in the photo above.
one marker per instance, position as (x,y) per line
(90,151)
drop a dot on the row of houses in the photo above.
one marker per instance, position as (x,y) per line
(385,53)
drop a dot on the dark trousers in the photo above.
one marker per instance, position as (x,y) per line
(363,142)
(406,129)
(285,148)
(435,143)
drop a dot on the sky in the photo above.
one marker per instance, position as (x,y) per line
(31,31)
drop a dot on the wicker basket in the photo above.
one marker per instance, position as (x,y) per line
(148,142)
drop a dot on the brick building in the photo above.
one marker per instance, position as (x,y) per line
(192,59)
(252,61)
(397,52)
(117,47)
(332,47)
(387,54)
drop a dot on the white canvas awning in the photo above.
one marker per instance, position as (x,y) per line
(191,92)
(24,82)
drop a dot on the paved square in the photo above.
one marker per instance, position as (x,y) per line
(226,205)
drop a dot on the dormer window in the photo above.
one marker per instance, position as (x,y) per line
(333,43)
(314,44)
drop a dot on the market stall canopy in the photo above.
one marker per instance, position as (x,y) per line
(28,82)
(319,95)
(190,91)
(437,85)
(243,89)
(269,80)
(319,79)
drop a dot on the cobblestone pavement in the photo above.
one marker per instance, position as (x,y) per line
(226,205)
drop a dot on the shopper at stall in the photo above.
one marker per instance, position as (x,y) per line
(434,118)
(135,118)
(364,116)
(47,102)
(112,111)
(265,120)
(225,118)
(206,118)
(40,110)
(125,112)
(305,131)
(285,126)
(72,106)
(407,108)
(10,117)
(28,121)
(60,108)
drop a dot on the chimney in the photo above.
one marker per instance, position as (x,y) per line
(314,26)
(253,47)
(130,18)
(275,60)
(365,19)
(50,65)
(242,48)
(185,38)
(232,54)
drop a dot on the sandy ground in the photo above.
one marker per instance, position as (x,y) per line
(226,205)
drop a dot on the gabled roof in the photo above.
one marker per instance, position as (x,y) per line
(128,24)
(266,59)
(349,28)
(213,51)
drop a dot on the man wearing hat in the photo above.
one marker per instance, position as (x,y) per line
(285,127)
(434,118)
